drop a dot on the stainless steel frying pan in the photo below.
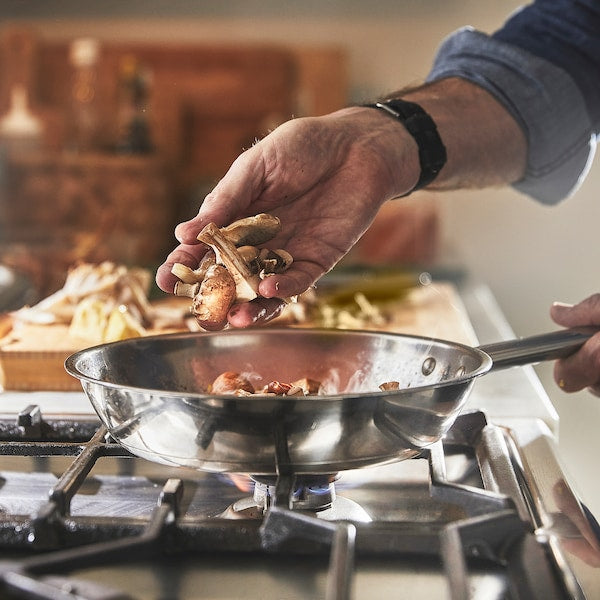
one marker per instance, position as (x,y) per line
(151,395)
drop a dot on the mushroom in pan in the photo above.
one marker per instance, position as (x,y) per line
(231,382)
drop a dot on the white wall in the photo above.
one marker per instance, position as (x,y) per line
(530,255)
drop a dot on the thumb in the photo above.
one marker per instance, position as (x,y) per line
(587,312)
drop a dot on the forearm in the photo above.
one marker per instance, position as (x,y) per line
(550,105)
(485,146)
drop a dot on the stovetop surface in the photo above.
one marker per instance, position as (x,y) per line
(127,489)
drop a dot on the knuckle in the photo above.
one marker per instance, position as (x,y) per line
(592,306)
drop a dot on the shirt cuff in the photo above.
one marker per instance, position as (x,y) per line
(542,98)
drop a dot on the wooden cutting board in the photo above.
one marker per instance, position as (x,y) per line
(32,356)
(434,310)
(34,360)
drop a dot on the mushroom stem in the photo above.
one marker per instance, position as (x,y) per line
(186,289)
(246,282)
(188,275)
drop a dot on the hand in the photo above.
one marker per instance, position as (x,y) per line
(582,369)
(325,178)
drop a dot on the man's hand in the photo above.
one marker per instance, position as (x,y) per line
(325,178)
(582,370)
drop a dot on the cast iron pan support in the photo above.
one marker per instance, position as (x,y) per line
(281,523)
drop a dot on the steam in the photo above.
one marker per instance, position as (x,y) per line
(332,383)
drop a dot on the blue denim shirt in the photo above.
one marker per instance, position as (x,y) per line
(544,67)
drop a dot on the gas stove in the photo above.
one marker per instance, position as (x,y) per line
(485,513)
(81,518)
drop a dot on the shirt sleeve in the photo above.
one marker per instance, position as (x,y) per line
(553,103)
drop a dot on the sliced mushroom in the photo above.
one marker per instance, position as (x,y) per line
(252,231)
(308,386)
(295,391)
(251,254)
(389,385)
(274,261)
(278,388)
(231,382)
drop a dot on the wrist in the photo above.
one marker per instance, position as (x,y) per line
(388,145)
(420,125)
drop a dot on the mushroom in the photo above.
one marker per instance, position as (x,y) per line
(212,298)
(191,276)
(251,255)
(274,261)
(231,382)
(308,386)
(278,388)
(389,385)
(252,231)
(234,249)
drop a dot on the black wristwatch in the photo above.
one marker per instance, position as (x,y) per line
(432,152)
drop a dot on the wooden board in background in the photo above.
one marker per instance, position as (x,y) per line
(35,360)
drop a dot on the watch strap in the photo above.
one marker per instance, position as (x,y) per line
(432,152)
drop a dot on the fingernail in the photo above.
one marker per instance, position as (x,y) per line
(562,305)
(260,315)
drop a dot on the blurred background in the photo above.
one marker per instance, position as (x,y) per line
(117,118)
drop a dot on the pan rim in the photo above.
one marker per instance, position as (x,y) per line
(70,363)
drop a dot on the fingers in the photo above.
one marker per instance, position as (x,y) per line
(582,370)
(257,312)
(189,255)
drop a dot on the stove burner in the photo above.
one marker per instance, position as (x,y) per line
(314,494)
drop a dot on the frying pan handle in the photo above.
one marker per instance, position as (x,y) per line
(538,348)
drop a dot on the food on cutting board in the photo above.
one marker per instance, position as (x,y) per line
(238,384)
(232,269)
(101,303)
